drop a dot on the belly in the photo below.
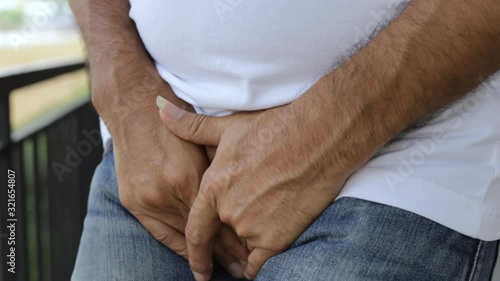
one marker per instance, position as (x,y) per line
(244,55)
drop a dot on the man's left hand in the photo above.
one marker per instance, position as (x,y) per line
(269,180)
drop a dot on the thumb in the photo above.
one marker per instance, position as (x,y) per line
(197,128)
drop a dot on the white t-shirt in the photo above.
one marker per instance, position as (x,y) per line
(223,56)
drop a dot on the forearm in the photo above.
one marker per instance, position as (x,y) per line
(434,53)
(124,80)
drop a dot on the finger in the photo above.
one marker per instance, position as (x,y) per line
(234,266)
(256,261)
(173,220)
(232,244)
(230,252)
(197,128)
(166,235)
(201,230)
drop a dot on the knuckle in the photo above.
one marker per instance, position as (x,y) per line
(209,178)
(196,124)
(181,182)
(195,237)
(151,197)
(244,232)
(214,181)
(178,180)
(210,192)
(209,186)
(226,217)
(231,215)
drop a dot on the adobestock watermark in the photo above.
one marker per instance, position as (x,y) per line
(456,115)
(378,20)
(37,17)
(264,137)
(150,83)
(132,105)
(224,7)
(75,155)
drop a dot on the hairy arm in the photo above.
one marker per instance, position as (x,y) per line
(433,54)
(125,82)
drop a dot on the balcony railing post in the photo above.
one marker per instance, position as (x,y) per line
(4,118)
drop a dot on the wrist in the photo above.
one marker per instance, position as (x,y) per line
(342,122)
(142,131)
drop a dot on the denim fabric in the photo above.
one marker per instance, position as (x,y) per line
(352,240)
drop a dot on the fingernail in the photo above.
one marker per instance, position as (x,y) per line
(247,276)
(236,270)
(169,108)
(161,102)
(199,276)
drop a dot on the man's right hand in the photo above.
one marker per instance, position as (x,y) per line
(158,174)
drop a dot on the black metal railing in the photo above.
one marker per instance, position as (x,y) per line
(53,160)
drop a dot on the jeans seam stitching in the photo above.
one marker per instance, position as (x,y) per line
(476,258)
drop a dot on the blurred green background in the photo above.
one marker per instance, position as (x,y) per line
(38,32)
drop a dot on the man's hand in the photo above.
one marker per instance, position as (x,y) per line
(158,179)
(158,174)
(269,180)
(275,171)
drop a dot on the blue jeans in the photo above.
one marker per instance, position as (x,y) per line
(353,239)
